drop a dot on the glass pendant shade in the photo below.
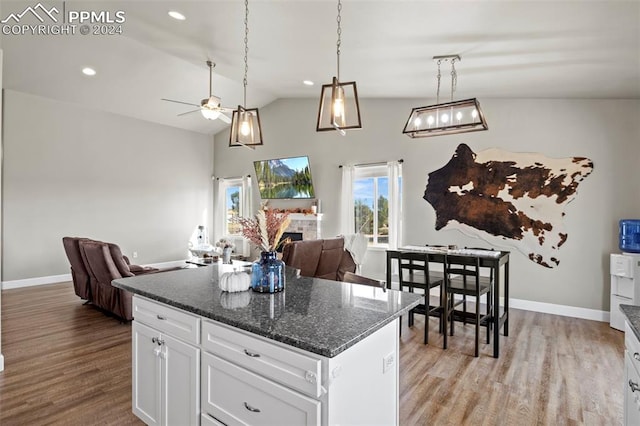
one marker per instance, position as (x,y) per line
(445,119)
(245,127)
(339,107)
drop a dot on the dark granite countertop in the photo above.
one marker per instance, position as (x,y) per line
(319,316)
(633,315)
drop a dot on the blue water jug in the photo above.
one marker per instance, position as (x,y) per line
(629,238)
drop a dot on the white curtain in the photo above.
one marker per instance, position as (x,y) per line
(219,219)
(395,200)
(347,214)
(247,197)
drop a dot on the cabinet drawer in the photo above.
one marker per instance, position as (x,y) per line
(237,396)
(285,366)
(167,319)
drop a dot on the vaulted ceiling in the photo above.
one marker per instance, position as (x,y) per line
(509,49)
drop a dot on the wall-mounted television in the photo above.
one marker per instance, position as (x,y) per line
(284,178)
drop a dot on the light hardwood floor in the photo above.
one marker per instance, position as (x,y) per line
(69,364)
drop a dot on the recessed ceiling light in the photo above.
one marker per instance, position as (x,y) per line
(308,82)
(88,71)
(177,15)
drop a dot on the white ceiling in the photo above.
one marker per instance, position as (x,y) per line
(509,49)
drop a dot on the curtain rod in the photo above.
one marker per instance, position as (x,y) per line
(379,163)
(232,177)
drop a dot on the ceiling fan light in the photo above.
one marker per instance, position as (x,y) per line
(209,114)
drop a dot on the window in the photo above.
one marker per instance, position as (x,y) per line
(372,201)
(233,200)
(233,195)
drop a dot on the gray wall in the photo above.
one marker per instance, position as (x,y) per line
(606,131)
(80,172)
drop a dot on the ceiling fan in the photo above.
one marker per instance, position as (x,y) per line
(210,107)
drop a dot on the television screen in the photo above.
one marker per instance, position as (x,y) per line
(284,178)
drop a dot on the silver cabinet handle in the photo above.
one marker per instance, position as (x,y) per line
(250,408)
(634,386)
(154,340)
(251,354)
(160,317)
(157,340)
(636,356)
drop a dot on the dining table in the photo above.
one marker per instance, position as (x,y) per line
(496,260)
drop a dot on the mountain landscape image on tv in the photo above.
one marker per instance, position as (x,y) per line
(284,178)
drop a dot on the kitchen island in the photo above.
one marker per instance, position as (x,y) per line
(319,353)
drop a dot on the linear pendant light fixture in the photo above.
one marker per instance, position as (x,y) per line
(339,107)
(245,123)
(446,118)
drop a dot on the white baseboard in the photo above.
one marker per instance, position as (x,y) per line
(28,282)
(55,279)
(547,308)
(564,310)
(1,362)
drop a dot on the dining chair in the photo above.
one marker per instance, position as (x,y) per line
(415,272)
(463,278)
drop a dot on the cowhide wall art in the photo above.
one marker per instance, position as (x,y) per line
(517,197)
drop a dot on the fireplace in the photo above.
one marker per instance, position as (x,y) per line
(293,236)
(306,224)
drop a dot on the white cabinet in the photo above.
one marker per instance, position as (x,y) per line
(632,378)
(166,370)
(189,370)
(250,380)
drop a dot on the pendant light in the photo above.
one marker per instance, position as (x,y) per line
(339,107)
(446,118)
(245,123)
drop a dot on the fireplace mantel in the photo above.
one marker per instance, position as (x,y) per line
(305,216)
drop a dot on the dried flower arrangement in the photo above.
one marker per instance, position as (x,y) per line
(266,229)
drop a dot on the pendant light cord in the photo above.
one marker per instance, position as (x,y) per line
(339,20)
(438,76)
(454,77)
(246,49)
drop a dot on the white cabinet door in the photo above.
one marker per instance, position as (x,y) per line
(146,375)
(166,378)
(181,382)
(632,393)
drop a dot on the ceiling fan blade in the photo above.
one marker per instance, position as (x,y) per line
(180,102)
(224,118)
(189,112)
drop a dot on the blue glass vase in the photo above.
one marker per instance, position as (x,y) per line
(267,274)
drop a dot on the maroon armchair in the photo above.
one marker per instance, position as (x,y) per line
(125,268)
(102,270)
(319,258)
(79,273)
(94,264)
